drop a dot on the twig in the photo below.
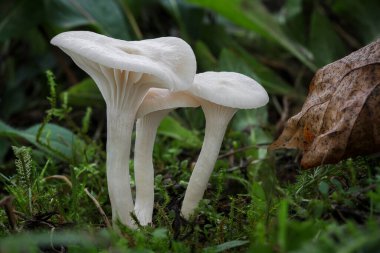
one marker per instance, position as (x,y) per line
(6,202)
(232,152)
(52,242)
(338,25)
(100,209)
(276,64)
(284,114)
(61,177)
(368,188)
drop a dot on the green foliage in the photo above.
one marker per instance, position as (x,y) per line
(226,246)
(169,127)
(86,120)
(26,186)
(23,167)
(18,17)
(106,17)
(24,170)
(247,216)
(53,139)
(85,93)
(246,65)
(364,21)
(260,21)
(329,47)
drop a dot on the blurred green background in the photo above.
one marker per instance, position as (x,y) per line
(279,43)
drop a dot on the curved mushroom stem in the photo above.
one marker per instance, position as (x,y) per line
(146,129)
(217,119)
(119,131)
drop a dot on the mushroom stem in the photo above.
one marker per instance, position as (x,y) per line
(217,119)
(146,129)
(119,131)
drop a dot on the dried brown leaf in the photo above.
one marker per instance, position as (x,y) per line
(341,115)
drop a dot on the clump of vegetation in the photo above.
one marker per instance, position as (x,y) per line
(246,206)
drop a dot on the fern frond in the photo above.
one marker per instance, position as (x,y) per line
(23,166)
(53,93)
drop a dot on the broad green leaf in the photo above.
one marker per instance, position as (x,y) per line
(17,17)
(171,128)
(188,19)
(258,195)
(293,8)
(104,15)
(85,93)
(295,22)
(55,140)
(226,246)
(323,188)
(160,233)
(324,42)
(205,59)
(230,61)
(253,16)
(214,35)
(250,118)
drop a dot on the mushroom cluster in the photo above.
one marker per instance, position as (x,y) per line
(141,82)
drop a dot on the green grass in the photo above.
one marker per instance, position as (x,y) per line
(329,209)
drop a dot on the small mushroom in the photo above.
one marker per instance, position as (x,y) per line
(221,94)
(124,71)
(155,106)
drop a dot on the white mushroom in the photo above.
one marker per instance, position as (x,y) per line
(124,71)
(155,106)
(221,95)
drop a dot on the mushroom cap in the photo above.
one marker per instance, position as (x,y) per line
(169,59)
(162,99)
(229,89)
